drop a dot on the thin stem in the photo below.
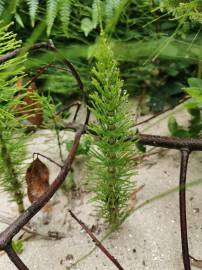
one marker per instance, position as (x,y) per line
(195,262)
(77,111)
(51,160)
(182,199)
(77,104)
(58,140)
(97,242)
(15,258)
(159,113)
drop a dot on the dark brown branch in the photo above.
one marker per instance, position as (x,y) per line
(97,242)
(12,54)
(182,200)
(171,142)
(15,258)
(77,111)
(155,140)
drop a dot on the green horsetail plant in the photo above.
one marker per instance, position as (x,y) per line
(110,164)
(12,138)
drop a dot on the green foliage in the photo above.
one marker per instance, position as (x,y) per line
(18,246)
(12,139)
(195,92)
(184,10)
(33,6)
(65,11)
(52,8)
(129,24)
(2,3)
(193,105)
(87,24)
(110,165)
(193,129)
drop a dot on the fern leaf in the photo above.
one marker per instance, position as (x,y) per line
(110,7)
(2,3)
(33,6)
(95,12)
(87,25)
(65,11)
(19,20)
(51,13)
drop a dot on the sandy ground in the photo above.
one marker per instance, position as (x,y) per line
(149,238)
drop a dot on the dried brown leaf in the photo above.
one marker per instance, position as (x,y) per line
(195,262)
(31,108)
(37,178)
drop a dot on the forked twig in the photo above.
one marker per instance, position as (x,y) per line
(97,242)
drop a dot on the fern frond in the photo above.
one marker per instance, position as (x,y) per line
(51,13)
(65,11)
(33,6)
(12,7)
(95,12)
(2,4)
(110,7)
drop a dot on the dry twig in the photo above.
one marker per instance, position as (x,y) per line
(97,242)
